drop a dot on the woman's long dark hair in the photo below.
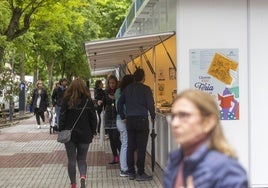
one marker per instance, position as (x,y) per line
(98,83)
(76,92)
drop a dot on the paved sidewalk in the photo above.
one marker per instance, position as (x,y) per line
(32,158)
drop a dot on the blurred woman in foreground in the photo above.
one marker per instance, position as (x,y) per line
(204,158)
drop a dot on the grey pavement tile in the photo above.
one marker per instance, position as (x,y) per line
(31,158)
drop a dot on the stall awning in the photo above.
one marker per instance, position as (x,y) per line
(109,54)
(101,72)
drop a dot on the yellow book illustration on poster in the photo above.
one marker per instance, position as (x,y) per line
(220,68)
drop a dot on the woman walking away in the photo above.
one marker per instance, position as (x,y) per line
(204,158)
(110,118)
(121,126)
(39,103)
(76,97)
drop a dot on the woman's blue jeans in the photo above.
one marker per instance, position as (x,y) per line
(123,137)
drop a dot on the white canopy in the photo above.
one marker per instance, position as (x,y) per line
(109,54)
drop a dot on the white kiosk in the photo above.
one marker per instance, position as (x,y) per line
(232,29)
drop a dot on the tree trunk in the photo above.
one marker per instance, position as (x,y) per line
(50,69)
(21,68)
(35,73)
(2,50)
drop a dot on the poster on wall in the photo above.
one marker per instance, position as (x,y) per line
(216,71)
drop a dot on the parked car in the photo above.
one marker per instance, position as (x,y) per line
(4,103)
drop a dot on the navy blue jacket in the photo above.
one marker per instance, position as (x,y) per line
(209,168)
(138,99)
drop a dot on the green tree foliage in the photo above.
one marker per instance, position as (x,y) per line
(110,15)
(47,37)
(16,18)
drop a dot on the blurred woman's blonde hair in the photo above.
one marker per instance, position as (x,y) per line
(55,84)
(38,82)
(208,107)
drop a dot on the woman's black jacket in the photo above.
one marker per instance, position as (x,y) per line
(43,102)
(86,125)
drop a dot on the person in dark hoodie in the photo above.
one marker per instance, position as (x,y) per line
(99,96)
(57,96)
(76,97)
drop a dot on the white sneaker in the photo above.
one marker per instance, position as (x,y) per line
(38,126)
(45,124)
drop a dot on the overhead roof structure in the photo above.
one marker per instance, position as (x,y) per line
(102,72)
(110,54)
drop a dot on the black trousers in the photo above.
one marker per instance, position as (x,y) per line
(38,114)
(76,152)
(115,143)
(137,132)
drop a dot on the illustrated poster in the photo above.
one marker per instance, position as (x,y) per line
(216,71)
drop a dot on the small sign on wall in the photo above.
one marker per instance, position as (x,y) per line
(161,75)
(172,74)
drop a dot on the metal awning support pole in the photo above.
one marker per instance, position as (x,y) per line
(148,62)
(127,67)
(122,69)
(172,62)
(132,60)
(154,63)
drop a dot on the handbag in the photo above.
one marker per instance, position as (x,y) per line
(64,136)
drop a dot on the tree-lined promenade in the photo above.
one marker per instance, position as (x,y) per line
(45,38)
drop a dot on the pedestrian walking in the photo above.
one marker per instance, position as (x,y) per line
(204,159)
(39,103)
(77,97)
(57,96)
(138,100)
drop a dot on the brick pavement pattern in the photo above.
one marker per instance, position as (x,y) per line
(32,158)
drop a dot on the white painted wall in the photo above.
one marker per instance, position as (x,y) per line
(243,25)
(217,24)
(258,92)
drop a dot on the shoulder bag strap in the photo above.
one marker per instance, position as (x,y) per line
(79,115)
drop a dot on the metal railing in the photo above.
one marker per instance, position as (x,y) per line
(130,18)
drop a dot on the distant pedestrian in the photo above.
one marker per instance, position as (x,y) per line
(99,96)
(57,96)
(39,103)
(121,126)
(204,158)
(75,98)
(110,118)
(55,85)
(138,99)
